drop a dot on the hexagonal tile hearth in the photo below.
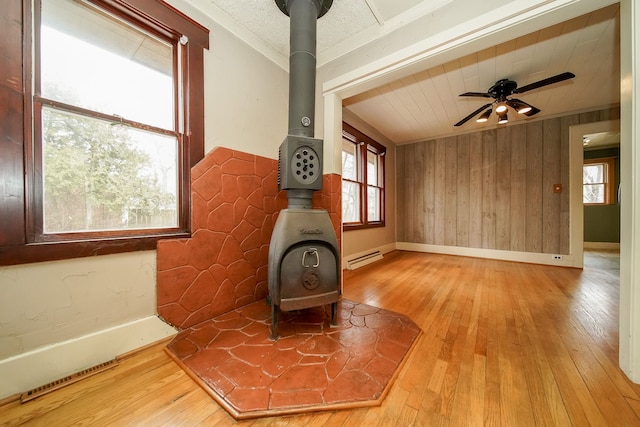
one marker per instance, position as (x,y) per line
(312,367)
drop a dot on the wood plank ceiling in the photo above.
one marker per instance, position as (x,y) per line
(427,104)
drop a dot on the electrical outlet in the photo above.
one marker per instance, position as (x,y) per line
(557,257)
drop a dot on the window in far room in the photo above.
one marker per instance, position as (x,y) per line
(362,180)
(598,181)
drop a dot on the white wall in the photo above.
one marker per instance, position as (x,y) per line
(57,318)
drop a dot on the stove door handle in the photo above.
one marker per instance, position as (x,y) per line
(311,251)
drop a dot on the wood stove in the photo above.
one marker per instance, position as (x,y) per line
(304,266)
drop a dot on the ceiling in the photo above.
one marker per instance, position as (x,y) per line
(427,104)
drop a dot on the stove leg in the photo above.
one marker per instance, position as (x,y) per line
(275,311)
(334,313)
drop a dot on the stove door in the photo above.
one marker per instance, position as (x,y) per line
(308,276)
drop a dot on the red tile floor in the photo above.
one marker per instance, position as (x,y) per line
(312,366)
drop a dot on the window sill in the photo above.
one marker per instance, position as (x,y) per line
(55,251)
(351,227)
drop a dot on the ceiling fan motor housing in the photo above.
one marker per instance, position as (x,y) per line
(502,89)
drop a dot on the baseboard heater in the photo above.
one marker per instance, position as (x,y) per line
(363,260)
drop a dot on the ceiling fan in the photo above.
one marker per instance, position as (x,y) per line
(501,92)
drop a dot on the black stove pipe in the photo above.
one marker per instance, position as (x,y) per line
(303,15)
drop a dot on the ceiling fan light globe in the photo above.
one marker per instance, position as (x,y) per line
(503,119)
(501,109)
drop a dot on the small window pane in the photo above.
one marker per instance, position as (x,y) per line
(348,160)
(593,193)
(593,174)
(373,195)
(100,176)
(350,202)
(94,61)
(372,168)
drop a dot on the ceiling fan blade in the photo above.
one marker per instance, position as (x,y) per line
(466,119)
(545,82)
(533,112)
(477,94)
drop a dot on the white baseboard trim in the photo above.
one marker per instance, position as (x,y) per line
(43,365)
(602,245)
(383,250)
(527,257)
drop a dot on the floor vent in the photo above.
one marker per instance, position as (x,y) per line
(363,260)
(62,382)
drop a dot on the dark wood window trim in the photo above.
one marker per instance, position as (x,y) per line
(365,144)
(17,192)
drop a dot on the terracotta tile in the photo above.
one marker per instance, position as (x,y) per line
(248,185)
(310,377)
(241,155)
(217,382)
(174,314)
(208,184)
(336,363)
(254,355)
(381,369)
(240,207)
(221,155)
(199,293)
(230,252)
(229,339)
(320,345)
(254,216)
(182,348)
(252,241)
(173,283)
(256,198)
(171,253)
(235,166)
(248,400)
(352,386)
(204,248)
(198,316)
(235,323)
(206,359)
(203,166)
(265,166)
(391,350)
(280,362)
(299,398)
(243,374)
(313,360)
(199,212)
(221,219)
(239,271)
(255,258)
(342,366)
(229,190)
(202,334)
(242,230)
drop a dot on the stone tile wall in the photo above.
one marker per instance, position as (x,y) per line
(223,265)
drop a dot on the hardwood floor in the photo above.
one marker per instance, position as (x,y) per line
(504,344)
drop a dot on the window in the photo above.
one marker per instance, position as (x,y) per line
(113,122)
(598,181)
(362,180)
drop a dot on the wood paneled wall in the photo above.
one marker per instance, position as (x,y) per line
(491,189)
